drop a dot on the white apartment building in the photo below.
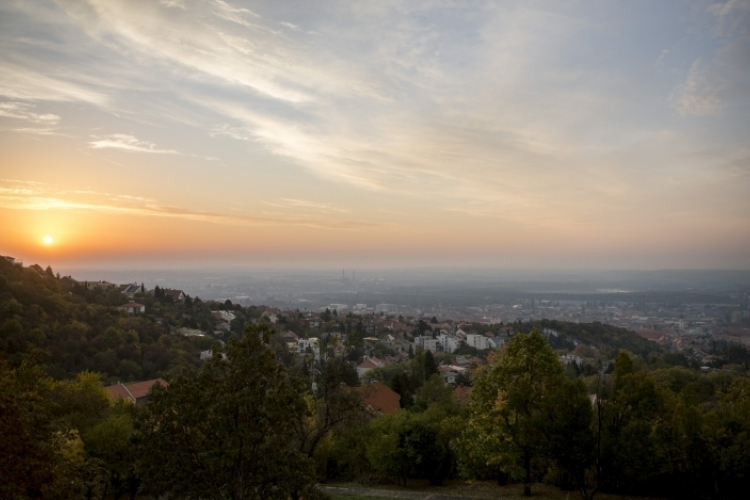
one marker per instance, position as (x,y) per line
(448,343)
(479,342)
(312,343)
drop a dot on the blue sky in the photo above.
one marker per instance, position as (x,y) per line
(537,133)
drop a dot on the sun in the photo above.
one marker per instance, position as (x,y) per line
(48,240)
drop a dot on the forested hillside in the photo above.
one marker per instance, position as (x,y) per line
(68,328)
(606,338)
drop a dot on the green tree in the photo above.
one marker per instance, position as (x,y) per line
(228,429)
(39,458)
(566,425)
(508,401)
(436,392)
(332,405)
(406,444)
(400,384)
(430,366)
(630,418)
(110,449)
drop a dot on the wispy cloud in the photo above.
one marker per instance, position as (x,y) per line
(23,111)
(35,131)
(19,195)
(235,14)
(699,95)
(129,143)
(17,82)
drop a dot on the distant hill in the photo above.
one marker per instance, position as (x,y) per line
(606,338)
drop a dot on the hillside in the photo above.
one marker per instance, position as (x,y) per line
(606,338)
(68,328)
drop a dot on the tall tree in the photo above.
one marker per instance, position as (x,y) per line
(507,404)
(333,403)
(430,366)
(227,431)
(37,454)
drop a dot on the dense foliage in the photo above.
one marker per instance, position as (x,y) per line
(70,328)
(243,426)
(665,430)
(607,338)
(228,429)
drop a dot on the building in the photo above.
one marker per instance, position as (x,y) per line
(379,399)
(306,345)
(226,316)
(13,261)
(132,308)
(130,289)
(369,364)
(386,308)
(479,342)
(447,343)
(138,392)
(176,295)
(103,285)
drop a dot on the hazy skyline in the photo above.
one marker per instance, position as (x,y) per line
(547,134)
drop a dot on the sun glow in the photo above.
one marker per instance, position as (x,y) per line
(48,240)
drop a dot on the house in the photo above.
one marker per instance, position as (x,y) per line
(132,308)
(448,374)
(130,289)
(225,316)
(379,398)
(103,285)
(312,344)
(138,392)
(223,327)
(206,355)
(271,316)
(13,261)
(461,361)
(290,337)
(571,358)
(190,332)
(176,295)
(369,364)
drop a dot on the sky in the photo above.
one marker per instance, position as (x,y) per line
(536,134)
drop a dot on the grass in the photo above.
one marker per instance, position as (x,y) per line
(467,489)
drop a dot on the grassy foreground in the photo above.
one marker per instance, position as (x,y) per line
(422,490)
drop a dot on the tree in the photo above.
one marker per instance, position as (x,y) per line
(109,444)
(38,456)
(406,444)
(568,440)
(228,429)
(435,391)
(629,421)
(333,405)
(430,366)
(507,404)
(400,384)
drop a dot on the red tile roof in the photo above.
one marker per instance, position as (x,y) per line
(131,304)
(380,398)
(133,391)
